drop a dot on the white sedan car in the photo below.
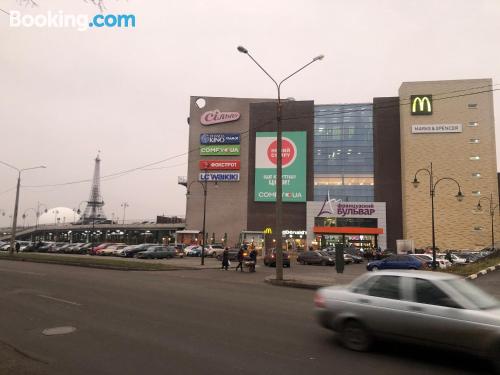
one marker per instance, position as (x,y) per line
(425,307)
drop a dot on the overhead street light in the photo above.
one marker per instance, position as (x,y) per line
(16,205)
(279,164)
(432,192)
(492,209)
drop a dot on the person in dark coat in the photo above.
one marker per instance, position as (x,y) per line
(253,259)
(225,259)
(18,246)
(240,260)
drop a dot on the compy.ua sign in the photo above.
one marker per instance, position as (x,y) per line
(81,22)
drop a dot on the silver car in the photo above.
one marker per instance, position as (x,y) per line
(425,307)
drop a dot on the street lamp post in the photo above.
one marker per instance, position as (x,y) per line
(432,192)
(93,233)
(38,213)
(279,170)
(124,205)
(204,185)
(492,214)
(16,205)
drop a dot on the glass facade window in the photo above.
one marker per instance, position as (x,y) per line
(343,152)
(345,222)
(472,105)
(475,157)
(474,140)
(476,193)
(476,175)
(473,124)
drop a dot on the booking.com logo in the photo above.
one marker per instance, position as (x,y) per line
(81,22)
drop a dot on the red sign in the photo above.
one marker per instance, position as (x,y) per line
(220,164)
(217,117)
(288,152)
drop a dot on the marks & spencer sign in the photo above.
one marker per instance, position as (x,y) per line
(436,128)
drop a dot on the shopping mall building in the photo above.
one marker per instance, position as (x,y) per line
(347,168)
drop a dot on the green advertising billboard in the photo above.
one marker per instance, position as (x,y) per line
(294,161)
(210,150)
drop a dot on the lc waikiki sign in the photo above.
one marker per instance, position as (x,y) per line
(217,117)
(294,159)
(421,105)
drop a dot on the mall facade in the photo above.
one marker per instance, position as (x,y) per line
(347,168)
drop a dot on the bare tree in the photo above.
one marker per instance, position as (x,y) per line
(34,3)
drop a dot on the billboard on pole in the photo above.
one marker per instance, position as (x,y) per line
(294,161)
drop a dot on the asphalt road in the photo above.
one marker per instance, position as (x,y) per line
(181,322)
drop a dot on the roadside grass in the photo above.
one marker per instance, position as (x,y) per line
(92,262)
(471,268)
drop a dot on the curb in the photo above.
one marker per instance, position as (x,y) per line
(293,283)
(483,272)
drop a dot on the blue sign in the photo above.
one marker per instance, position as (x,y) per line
(220,139)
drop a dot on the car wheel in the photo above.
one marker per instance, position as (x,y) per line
(354,336)
(375,268)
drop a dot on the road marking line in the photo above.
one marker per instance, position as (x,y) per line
(25,272)
(60,300)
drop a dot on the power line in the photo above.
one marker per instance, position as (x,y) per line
(400,103)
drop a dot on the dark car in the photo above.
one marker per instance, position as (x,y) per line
(131,251)
(396,262)
(158,252)
(270,259)
(316,257)
(233,254)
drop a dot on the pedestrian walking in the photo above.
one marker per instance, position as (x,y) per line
(253,260)
(18,246)
(225,259)
(240,258)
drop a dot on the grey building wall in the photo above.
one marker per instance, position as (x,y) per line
(227,201)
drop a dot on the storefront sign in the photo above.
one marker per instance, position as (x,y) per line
(219,177)
(294,232)
(348,209)
(217,117)
(220,150)
(436,128)
(294,158)
(421,105)
(220,164)
(220,139)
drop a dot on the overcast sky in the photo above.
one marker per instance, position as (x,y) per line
(65,94)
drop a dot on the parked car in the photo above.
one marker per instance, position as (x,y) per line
(426,259)
(455,258)
(348,258)
(214,249)
(270,259)
(158,252)
(430,308)
(194,251)
(316,257)
(233,254)
(98,249)
(111,250)
(132,250)
(400,262)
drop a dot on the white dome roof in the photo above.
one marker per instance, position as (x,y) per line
(59,215)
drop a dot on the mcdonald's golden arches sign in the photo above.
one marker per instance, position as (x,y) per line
(421,105)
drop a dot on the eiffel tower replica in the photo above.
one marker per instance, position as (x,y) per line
(94,212)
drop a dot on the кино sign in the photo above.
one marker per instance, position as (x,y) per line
(421,104)
(220,164)
(217,117)
(220,139)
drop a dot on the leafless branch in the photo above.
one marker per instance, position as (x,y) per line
(31,3)
(97,3)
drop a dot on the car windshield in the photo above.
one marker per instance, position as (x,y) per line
(479,298)
(324,253)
